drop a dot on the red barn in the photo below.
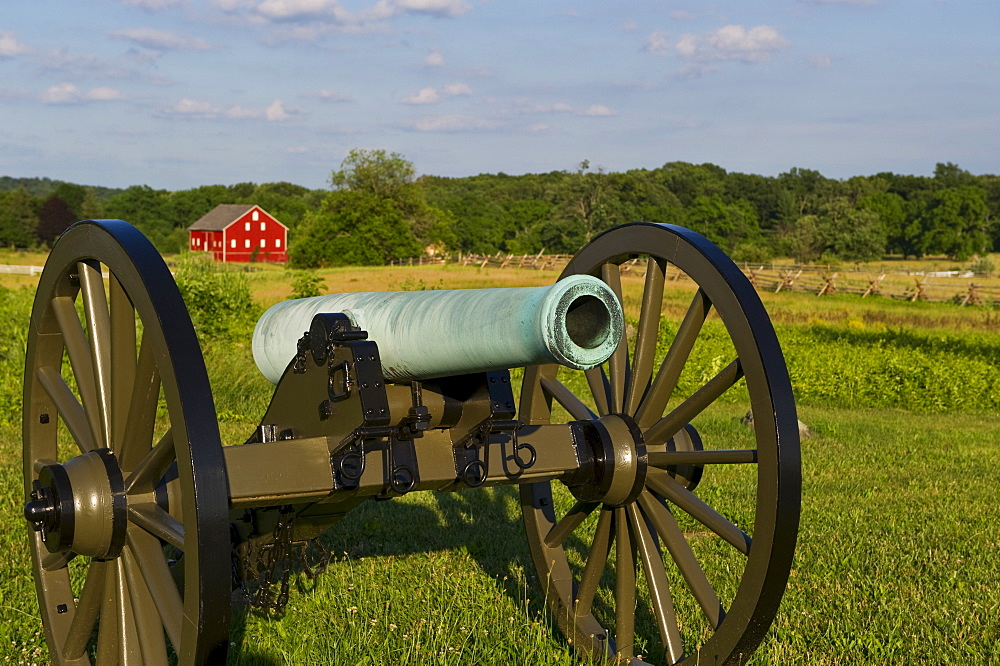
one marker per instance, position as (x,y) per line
(239,232)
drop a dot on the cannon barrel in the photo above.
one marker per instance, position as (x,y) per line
(425,334)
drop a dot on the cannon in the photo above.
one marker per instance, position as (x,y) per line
(651,521)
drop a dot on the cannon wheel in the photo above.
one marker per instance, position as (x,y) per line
(607,580)
(135,567)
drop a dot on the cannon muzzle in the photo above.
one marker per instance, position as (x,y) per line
(577,322)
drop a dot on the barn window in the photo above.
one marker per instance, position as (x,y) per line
(255,216)
(246,243)
(232,243)
(263,242)
(262,225)
(246,227)
(277,242)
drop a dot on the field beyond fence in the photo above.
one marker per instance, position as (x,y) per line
(962,287)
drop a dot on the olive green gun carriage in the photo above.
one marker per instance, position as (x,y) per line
(648,535)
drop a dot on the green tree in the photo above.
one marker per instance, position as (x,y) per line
(726,225)
(377,172)
(73,195)
(353,227)
(955,223)
(891,211)
(90,207)
(53,218)
(18,218)
(149,211)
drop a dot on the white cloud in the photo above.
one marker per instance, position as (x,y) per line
(657,43)
(858,3)
(434,59)
(629,26)
(820,60)
(276,112)
(64,93)
(457,89)
(10,46)
(286,9)
(599,110)
(732,42)
(152,38)
(196,109)
(422,96)
(330,96)
(687,45)
(153,5)
(527,106)
(104,94)
(454,123)
(313,20)
(68,93)
(445,8)
(191,108)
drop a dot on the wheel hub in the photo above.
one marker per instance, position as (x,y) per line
(616,471)
(80,505)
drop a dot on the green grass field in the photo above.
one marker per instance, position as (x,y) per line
(898,559)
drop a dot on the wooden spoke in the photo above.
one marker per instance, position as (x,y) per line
(729,457)
(138,428)
(156,574)
(157,522)
(576,407)
(107,630)
(618,363)
(599,388)
(668,488)
(68,406)
(98,318)
(78,350)
(152,466)
(147,620)
(652,406)
(597,558)
(123,362)
(53,561)
(129,651)
(656,579)
(87,609)
(557,535)
(680,550)
(624,586)
(647,334)
(670,424)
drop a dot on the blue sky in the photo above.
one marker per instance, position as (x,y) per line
(181,93)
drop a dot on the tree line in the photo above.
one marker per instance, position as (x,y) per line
(377,210)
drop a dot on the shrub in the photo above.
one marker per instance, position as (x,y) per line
(308,285)
(217,296)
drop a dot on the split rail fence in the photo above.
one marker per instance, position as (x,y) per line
(960,287)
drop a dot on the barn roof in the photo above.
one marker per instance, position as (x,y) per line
(221,217)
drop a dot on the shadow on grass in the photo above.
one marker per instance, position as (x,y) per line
(477,521)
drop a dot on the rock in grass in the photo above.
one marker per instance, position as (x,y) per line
(804,431)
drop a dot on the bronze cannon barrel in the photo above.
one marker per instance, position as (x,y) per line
(425,334)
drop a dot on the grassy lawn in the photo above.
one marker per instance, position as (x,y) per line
(899,548)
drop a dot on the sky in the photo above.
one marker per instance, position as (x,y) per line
(180,93)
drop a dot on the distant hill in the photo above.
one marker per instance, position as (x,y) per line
(42,187)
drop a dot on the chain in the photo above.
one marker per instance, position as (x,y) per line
(269,566)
